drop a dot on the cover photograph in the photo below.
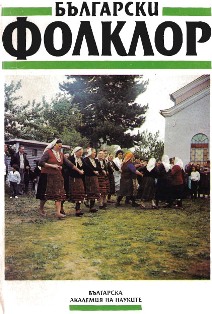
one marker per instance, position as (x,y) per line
(106,131)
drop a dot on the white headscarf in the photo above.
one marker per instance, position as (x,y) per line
(89,152)
(51,145)
(178,162)
(151,164)
(76,149)
(166,163)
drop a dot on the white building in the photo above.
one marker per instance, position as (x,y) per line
(187,123)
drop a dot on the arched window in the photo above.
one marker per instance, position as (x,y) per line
(199,149)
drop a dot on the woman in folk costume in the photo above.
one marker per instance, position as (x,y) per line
(110,167)
(117,168)
(51,183)
(128,182)
(163,186)
(74,183)
(91,178)
(104,185)
(177,187)
(150,173)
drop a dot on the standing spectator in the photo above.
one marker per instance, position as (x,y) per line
(198,168)
(117,169)
(14,179)
(21,160)
(205,180)
(195,177)
(188,169)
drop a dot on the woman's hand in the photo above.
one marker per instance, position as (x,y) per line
(57,167)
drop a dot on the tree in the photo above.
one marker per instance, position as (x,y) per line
(23,120)
(41,121)
(64,118)
(108,108)
(12,110)
(149,145)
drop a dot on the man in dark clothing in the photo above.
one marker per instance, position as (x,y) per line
(21,160)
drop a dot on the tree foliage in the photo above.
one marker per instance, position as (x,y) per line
(107,106)
(24,120)
(64,118)
(149,145)
(12,110)
(41,121)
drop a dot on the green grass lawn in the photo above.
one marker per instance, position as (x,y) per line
(122,243)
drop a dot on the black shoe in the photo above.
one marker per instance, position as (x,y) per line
(79,214)
(135,205)
(117,204)
(62,212)
(101,207)
(93,210)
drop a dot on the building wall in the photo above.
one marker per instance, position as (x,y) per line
(189,93)
(29,150)
(183,125)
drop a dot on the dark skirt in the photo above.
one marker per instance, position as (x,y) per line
(51,187)
(163,189)
(204,183)
(126,187)
(112,184)
(76,189)
(104,185)
(92,187)
(177,191)
(148,188)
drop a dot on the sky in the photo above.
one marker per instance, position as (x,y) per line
(157,95)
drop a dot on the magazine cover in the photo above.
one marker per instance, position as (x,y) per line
(106,186)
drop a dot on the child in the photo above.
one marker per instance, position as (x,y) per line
(14,179)
(195,177)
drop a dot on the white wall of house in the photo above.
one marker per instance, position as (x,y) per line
(182,125)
